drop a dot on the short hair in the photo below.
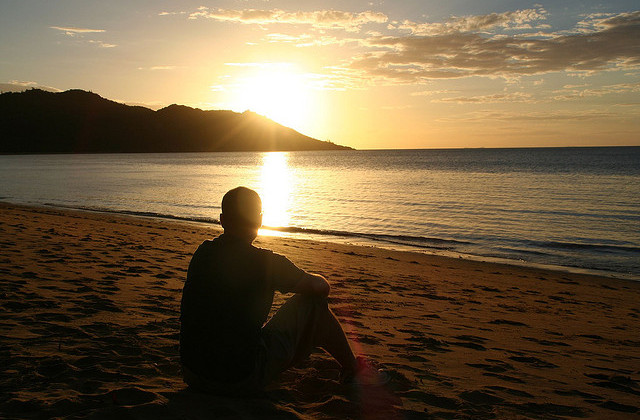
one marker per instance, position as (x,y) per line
(242,206)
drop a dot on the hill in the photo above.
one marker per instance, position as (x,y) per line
(76,121)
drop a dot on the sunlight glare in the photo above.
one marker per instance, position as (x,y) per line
(279,93)
(275,189)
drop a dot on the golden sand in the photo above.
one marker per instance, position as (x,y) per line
(90,320)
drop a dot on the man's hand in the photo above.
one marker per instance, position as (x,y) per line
(313,284)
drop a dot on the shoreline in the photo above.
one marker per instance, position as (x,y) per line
(89,327)
(355,239)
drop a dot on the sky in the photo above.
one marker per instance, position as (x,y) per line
(366,74)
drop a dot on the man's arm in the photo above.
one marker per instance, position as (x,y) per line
(313,284)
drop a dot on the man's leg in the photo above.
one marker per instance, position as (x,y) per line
(301,324)
(331,337)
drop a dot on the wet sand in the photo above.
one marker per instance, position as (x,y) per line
(89,325)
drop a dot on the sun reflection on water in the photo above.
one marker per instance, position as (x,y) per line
(275,190)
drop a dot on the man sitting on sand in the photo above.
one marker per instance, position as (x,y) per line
(225,345)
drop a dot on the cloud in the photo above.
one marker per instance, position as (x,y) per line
(489,99)
(288,39)
(456,53)
(171,13)
(323,19)
(158,68)
(79,33)
(20,86)
(262,65)
(572,92)
(335,79)
(520,19)
(394,107)
(21,83)
(71,31)
(102,44)
(308,40)
(543,117)
(431,92)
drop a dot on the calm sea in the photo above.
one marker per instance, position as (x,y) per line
(577,208)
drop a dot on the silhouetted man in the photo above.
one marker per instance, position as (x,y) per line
(225,345)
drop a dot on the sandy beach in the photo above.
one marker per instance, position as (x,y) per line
(90,320)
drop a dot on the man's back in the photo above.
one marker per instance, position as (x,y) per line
(226,300)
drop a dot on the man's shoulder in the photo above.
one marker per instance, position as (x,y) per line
(261,250)
(223,245)
(206,250)
(207,244)
(268,253)
(228,244)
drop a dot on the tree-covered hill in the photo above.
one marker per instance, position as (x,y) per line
(76,121)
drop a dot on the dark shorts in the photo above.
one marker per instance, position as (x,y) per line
(288,337)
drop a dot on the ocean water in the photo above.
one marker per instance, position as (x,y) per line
(575,208)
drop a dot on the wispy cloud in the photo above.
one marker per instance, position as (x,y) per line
(79,35)
(537,116)
(298,40)
(431,92)
(573,92)
(488,99)
(21,85)
(323,19)
(71,31)
(158,68)
(610,43)
(310,40)
(520,19)
(102,44)
(171,13)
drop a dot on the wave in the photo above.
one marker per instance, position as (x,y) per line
(407,240)
(586,247)
(140,213)
(416,241)
(611,214)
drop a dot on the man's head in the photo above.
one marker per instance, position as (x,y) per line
(241,213)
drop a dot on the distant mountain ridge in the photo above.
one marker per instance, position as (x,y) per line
(76,121)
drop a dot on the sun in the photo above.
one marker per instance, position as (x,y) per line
(277,92)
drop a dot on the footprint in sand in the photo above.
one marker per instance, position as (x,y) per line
(538,410)
(468,345)
(480,398)
(131,396)
(496,366)
(533,361)
(516,392)
(547,343)
(432,399)
(385,333)
(618,382)
(508,322)
(428,343)
(506,378)
(623,408)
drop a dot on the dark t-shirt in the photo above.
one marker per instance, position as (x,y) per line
(225,302)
